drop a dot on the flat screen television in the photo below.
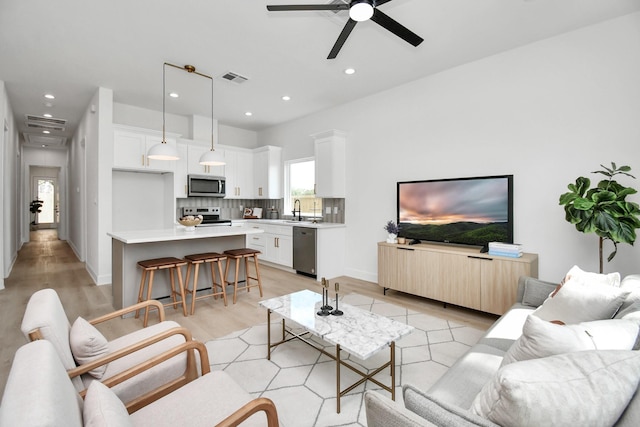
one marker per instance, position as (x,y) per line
(465,211)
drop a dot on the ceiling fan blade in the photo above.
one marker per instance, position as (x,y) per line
(396,28)
(284,8)
(342,38)
(381,2)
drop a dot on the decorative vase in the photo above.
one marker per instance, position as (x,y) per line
(392,238)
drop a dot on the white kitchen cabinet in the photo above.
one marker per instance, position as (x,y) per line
(180,175)
(239,173)
(130,147)
(276,243)
(267,168)
(330,163)
(195,151)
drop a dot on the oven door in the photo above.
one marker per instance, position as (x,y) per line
(206,186)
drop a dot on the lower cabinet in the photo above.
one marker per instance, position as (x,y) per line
(459,276)
(276,244)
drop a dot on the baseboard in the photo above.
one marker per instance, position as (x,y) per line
(362,275)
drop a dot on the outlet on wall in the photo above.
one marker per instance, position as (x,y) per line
(335,209)
(327,210)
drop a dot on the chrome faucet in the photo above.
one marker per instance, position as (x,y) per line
(296,201)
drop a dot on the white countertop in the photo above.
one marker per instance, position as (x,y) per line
(179,232)
(290,223)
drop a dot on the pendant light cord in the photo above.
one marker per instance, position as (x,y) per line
(163,101)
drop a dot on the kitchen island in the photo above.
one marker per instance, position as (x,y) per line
(129,247)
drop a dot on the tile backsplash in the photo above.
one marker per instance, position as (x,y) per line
(231,208)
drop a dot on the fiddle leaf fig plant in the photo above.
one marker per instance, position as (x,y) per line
(603,209)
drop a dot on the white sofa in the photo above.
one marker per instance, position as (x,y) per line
(453,400)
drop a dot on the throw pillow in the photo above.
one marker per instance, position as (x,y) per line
(541,338)
(582,388)
(102,408)
(631,284)
(576,302)
(589,278)
(87,344)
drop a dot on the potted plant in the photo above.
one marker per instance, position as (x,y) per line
(393,230)
(603,210)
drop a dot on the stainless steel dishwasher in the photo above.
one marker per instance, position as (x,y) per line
(304,251)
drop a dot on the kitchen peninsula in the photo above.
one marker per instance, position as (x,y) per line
(129,247)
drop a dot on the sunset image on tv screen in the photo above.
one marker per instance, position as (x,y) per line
(469,211)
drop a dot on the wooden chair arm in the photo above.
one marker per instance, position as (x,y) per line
(83,369)
(149,303)
(256,405)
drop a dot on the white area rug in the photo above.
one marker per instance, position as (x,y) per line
(302,381)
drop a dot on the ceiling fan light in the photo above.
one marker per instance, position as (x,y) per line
(163,151)
(361,10)
(211,158)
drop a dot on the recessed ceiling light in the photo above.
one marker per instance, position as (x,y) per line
(248,114)
(49,96)
(350,71)
(46,131)
(47,115)
(44,146)
(286,98)
(174,95)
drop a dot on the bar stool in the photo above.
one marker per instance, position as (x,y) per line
(237,255)
(197,259)
(150,266)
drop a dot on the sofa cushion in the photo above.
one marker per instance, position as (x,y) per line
(102,408)
(507,329)
(541,338)
(576,302)
(570,387)
(464,380)
(589,278)
(535,291)
(87,344)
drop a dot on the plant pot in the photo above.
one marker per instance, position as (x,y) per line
(392,238)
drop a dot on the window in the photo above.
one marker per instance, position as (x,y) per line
(300,184)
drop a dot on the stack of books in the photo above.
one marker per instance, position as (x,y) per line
(512,250)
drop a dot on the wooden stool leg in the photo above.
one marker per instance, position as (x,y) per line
(195,284)
(181,285)
(255,263)
(173,288)
(141,290)
(235,284)
(224,291)
(246,273)
(149,288)
(214,290)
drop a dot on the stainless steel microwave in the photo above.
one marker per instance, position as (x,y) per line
(206,186)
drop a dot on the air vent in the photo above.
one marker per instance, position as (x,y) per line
(233,77)
(37,122)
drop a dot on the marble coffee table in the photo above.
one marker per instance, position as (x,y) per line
(358,332)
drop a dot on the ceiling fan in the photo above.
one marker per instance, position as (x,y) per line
(359,10)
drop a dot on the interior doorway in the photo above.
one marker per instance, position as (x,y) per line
(45,198)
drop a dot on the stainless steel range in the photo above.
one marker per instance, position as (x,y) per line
(210,216)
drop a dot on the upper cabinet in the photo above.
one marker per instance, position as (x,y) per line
(195,151)
(130,147)
(239,173)
(330,159)
(267,172)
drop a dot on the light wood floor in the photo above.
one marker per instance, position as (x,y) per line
(46,262)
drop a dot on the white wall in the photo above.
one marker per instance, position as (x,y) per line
(546,113)
(237,137)
(90,184)
(9,160)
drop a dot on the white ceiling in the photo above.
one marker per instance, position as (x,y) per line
(71,47)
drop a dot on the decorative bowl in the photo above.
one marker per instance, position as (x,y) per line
(190,221)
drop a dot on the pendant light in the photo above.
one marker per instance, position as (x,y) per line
(211,158)
(163,151)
